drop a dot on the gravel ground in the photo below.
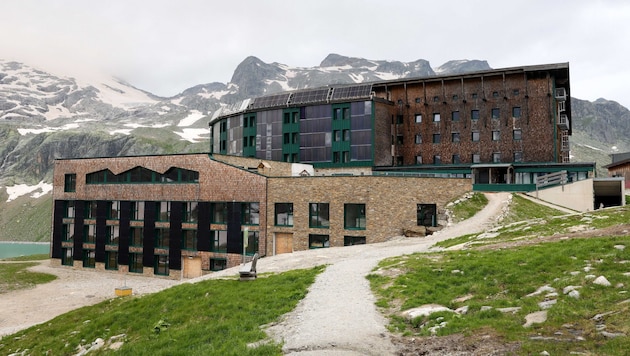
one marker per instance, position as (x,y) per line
(337,317)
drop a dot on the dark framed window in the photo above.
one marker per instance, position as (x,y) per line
(474,95)
(161,265)
(250,213)
(436,117)
(336,135)
(68,209)
(455,137)
(113,210)
(474,114)
(496,135)
(217,264)
(436,98)
(135,263)
(418,159)
(437,159)
(111,260)
(70,182)
(189,240)
(496,113)
(476,158)
(112,234)
(455,116)
(456,159)
(399,119)
(191,211)
(354,216)
(399,139)
(455,97)
(137,210)
(515,92)
(90,210)
(162,238)
(89,258)
(353,240)
(496,157)
(67,232)
(436,138)
(219,213)
(319,215)
(136,236)
(252,243)
(163,211)
(518,156)
(219,241)
(418,139)
(475,136)
(418,118)
(66,257)
(516,112)
(426,214)
(318,241)
(495,94)
(283,214)
(517,135)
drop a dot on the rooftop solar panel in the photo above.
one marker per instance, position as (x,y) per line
(310,96)
(352,92)
(271,101)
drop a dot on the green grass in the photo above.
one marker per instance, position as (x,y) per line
(25,218)
(525,209)
(469,207)
(503,278)
(214,317)
(14,276)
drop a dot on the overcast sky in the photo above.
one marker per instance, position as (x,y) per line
(167,46)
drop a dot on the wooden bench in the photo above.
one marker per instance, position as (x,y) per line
(249,274)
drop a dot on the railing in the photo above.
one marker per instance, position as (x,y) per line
(551,179)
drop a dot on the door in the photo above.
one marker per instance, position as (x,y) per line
(192,267)
(284,243)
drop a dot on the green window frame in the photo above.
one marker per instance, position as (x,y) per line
(112,233)
(218,264)
(67,232)
(426,214)
(354,217)
(319,215)
(191,211)
(283,214)
(252,243)
(68,209)
(189,239)
(250,213)
(66,257)
(111,260)
(160,266)
(90,210)
(89,258)
(318,241)
(136,236)
(70,183)
(113,210)
(219,213)
(219,241)
(163,211)
(162,238)
(89,233)
(135,263)
(353,240)
(137,210)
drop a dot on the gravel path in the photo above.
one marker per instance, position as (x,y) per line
(337,317)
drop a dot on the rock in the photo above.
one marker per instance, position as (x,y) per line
(602,281)
(456,271)
(415,231)
(544,353)
(574,294)
(589,276)
(463,298)
(551,295)
(611,335)
(543,289)
(588,269)
(574,273)
(627,274)
(599,317)
(619,285)
(116,345)
(424,310)
(568,289)
(547,304)
(486,308)
(462,310)
(535,318)
(512,310)
(620,247)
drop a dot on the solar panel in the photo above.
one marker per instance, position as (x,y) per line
(310,96)
(352,92)
(271,101)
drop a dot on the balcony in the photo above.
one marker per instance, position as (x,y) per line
(563,122)
(561,94)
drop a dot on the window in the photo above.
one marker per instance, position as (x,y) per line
(426,214)
(474,114)
(112,234)
(399,160)
(353,240)
(219,213)
(68,209)
(418,118)
(219,241)
(437,159)
(436,138)
(496,113)
(250,213)
(515,92)
(476,158)
(113,210)
(455,116)
(90,210)
(456,160)
(436,117)
(436,99)
(399,139)
(517,135)
(89,260)
(319,215)
(137,234)
(399,119)
(418,100)
(418,159)
(455,137)
(67,232)
(189,240)
(284,214)
(496,135)
(191,211)
(70,183)
(66,257)
(251,246)
(455,97)
(354,216)
(418,139)
(495,94)
(217,264)
(318,241)
(475,136)
(137,210)
(163,211)
(337,135)
(111,260)
(162,238)
(135,262)
(496,157)
(161,265)
(474,95)
(518,156)
(346,135)
(516,112)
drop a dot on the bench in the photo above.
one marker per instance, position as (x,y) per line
(248,274)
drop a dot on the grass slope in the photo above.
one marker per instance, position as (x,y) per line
(14,276)
(214,317)
(25,218)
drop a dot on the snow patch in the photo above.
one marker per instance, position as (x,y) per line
(386,76)
(194,135)
(48,129)
(125,132)
(193,117)
(19,190)
(357,78)
(57,111)
(284,84)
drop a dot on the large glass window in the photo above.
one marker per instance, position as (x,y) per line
(89,233)
(89,260)
(137,234)
(455,116)
(90,210)
(353,240)
(251,246)
(426,215)
(189,240)
(111,260)
(474,114)
(163,211)
(217,264)
(137,210)
(496,135)
(354,216)
(67,232)
(66,257)
(161,265)
(113,210)
(219,213)
(162,238)
(70,183)
(516,112)
(517,135)
(284,214)
(219,241)
(135,262)
(68,208)
(319,215)
(250,213)
(318,241)
(190,211)
(475,136)
(496,113)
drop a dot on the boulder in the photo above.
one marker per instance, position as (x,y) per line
(415,231)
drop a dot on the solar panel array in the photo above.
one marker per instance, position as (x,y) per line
(352,92)
(310,96)
(271,101)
